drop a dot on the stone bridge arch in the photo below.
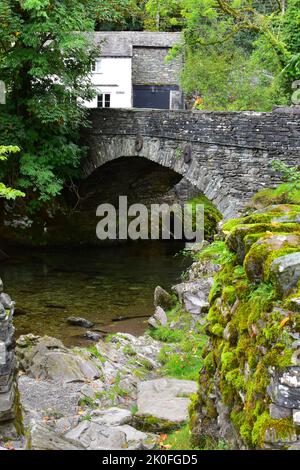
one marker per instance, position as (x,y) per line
(226,156)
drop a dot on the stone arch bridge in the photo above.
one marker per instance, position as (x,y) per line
(226,155)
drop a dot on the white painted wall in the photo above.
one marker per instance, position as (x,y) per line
(114,77)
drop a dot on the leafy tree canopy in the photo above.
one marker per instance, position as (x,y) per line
(46,53)
(5,191)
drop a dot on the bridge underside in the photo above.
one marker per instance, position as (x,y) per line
(140,179)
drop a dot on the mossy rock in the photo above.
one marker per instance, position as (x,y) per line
(258,260)
(212,216)
(287,193)
(236,239)
(286,213)
(153,424)
(267,431)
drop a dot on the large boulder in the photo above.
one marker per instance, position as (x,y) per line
(94,436)
(111,416)
(163,403)
(47,358)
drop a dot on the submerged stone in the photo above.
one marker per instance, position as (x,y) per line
(77,321)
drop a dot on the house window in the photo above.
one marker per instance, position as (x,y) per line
(103,100)
(97,66)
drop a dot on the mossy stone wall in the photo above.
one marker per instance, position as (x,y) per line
(249,387)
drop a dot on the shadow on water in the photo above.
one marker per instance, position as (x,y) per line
(99,284)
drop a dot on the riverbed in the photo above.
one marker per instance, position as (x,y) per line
(110,286)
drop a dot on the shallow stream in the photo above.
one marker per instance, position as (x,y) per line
(103,285)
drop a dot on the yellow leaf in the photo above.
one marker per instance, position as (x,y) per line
(284,321)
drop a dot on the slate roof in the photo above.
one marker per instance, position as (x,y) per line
(121,43)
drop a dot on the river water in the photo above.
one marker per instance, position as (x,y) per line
(102,285)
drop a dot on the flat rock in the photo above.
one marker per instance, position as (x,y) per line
(138,440)
(278,412)
(166,400)
(296,417)
(116,359)
(94,436)
(111,416)
(47,358)
(42,437)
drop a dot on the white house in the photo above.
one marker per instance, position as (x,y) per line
(133,71)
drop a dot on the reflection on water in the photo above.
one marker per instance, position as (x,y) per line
(98,284)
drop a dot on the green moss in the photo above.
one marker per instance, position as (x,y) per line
(235,241)
(166,335)
(281,429)
(129,351)
(211,215)
(229,360)
(217,252)
(216,290)
(258,331)
(230,225)
(229,295)
(180,440)
(88,402)
(217,330)
(287,193)
(153,424)
(94,351)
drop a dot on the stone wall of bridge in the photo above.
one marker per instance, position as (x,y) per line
(226,155)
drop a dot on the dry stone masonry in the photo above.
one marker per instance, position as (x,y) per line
(8,385)
(226,155)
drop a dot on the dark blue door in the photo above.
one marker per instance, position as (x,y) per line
(148,96)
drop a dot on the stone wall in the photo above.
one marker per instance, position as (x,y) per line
(249,393)
(226,155)
(150,67)
(8,386)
